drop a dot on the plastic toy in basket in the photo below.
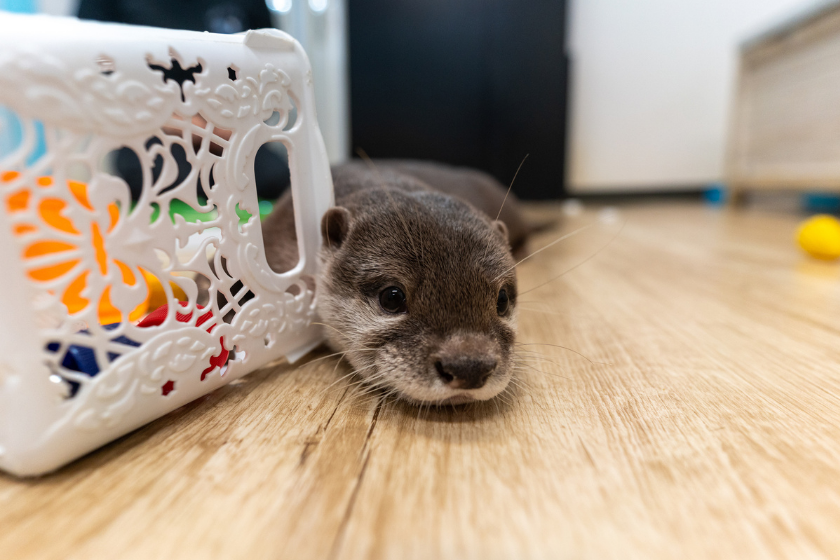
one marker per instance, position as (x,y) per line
(116,309)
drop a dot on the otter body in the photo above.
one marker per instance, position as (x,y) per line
(417,283)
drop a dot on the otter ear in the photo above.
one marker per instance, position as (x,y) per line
(502,228)
(334,226)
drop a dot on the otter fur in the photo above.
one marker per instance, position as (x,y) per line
(418,282)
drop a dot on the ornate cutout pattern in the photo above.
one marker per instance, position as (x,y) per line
(122,329)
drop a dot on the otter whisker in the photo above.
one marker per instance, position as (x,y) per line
(338,361)
(536,356)
(523,364)
(532,368)
(328,387)
(518,301)
(365,396)
(520,365)
(552,374)
(340,333)
(362,395)
(519,383)
(369,381)
(544,247)
(532,355)
(506,397)
(521,163)
(543,311)
(324,358)
(354,372)
(529,370)
(337,354)
(506,196)
(388,395)
(367,384)
(564,348)
(584,261)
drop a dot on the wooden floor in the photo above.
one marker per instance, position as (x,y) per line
(711,430)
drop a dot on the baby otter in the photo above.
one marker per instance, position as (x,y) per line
(417,286)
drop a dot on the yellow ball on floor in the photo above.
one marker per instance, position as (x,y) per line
(819,236)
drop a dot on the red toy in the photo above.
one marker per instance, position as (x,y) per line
(158,316)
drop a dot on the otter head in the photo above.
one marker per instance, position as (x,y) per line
(419,290)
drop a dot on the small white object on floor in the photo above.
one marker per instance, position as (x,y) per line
(609,215)
(573,207)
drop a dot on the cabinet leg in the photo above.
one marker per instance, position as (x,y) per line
(737,198)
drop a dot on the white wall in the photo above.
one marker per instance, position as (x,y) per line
(651,87)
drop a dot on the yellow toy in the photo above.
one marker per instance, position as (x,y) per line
(819,236)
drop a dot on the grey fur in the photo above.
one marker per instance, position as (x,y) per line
(390,228)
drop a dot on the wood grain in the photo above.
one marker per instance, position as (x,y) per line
(712,431)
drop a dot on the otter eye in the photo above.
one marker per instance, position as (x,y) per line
(392,300)
(502,303)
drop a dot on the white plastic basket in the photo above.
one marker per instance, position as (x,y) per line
(79,364)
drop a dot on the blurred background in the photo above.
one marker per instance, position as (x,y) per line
(605,96)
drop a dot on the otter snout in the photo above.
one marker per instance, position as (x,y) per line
(465,372)
(466,361)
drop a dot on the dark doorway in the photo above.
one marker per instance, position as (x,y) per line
(470,82)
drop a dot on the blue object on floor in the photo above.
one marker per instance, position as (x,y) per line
(821,202)
(716,194)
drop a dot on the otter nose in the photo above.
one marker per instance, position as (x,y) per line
(465,372)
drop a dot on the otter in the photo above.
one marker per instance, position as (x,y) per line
(418,280)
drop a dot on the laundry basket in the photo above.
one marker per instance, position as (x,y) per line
(118,306)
